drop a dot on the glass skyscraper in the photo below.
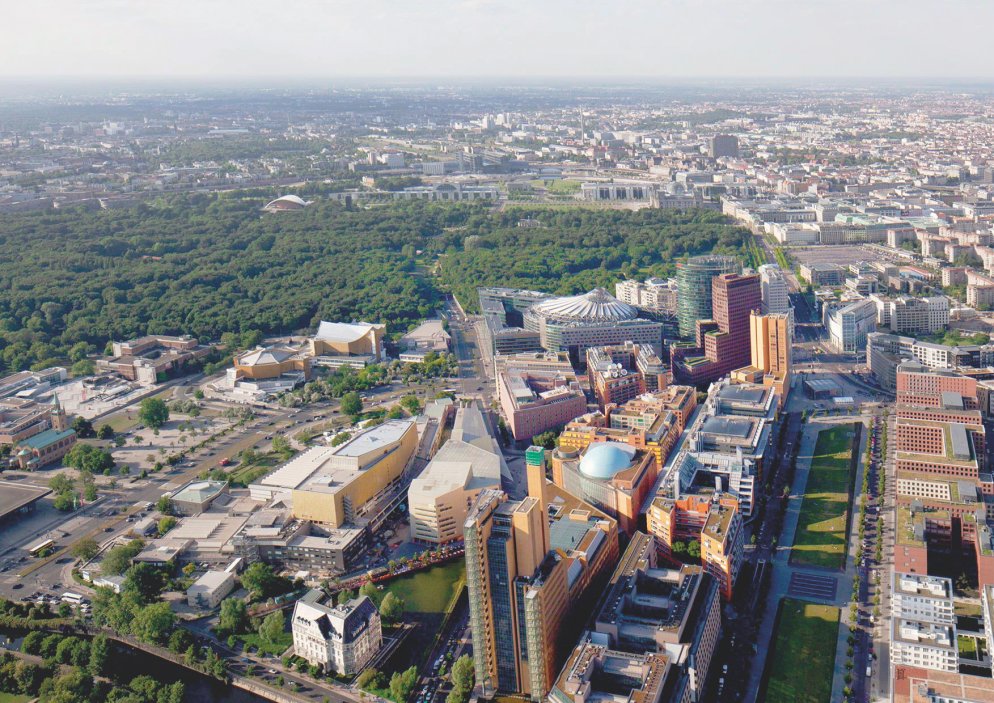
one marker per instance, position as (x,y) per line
(694,278)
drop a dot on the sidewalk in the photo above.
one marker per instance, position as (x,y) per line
(842,645)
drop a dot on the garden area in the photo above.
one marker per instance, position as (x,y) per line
(803,654)
(821,538)
(429,598)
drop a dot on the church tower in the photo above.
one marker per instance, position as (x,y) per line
(60,423)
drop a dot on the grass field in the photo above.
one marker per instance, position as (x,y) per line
(803,656)
(245,473)
(967,647)
(13,698)
(429,591)
(820,539)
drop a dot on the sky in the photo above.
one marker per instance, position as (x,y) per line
(661,39)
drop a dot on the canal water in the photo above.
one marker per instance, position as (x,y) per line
(136,662)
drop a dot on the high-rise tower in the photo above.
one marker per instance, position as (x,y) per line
(694,278)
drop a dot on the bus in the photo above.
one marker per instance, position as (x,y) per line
(72,598)
(41,546)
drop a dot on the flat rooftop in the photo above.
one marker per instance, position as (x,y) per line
(13,497)
(730,427)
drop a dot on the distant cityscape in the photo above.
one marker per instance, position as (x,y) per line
(415,394)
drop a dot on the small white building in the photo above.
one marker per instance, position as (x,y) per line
(341,639)
(210,589)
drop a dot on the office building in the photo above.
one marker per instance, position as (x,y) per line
(209,590)
(538,393)
(621,372)
(935,388)
(885,352)
(341,640)
(649,609)
(849,325)
(822,274)
(338,485)
(913,316)
(274,536)
(503,319)
(694,283)
(723,146)
(655,294)
(440,496)
(722,343)
(770,347)
(726,445)
(709,518)
(928,443)
(595,672)
(774,291)
(530,566)
(150,359)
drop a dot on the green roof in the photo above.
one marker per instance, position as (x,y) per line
(45,439)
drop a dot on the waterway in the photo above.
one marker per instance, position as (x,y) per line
(136,662)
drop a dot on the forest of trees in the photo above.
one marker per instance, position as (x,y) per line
(579,249)
(209,264)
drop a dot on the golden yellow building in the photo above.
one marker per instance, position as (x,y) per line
(335,485)
(271,362)
(348,339)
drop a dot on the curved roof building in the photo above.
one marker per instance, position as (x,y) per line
(596,306)
(614,477)
(574,323)
(604,460)
(285,203)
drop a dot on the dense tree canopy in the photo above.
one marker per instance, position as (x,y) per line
(210,264)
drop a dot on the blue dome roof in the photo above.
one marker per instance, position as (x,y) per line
(604,460)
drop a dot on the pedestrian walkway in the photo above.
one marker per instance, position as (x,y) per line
(805,582)
(852,567)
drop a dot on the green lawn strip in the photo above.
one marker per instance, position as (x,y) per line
(820,539)
(967,647)
(265,647)
(803,653)
(13,698)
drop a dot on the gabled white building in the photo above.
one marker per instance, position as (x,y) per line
(340,639)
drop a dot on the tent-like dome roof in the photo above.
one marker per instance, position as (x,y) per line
(596,306)
(287,202)
(605,460)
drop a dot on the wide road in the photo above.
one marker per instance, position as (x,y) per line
(96,521)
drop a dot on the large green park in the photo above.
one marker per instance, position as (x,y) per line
(803,654)
(820,539)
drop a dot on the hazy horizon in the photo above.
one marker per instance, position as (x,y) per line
(668,40)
